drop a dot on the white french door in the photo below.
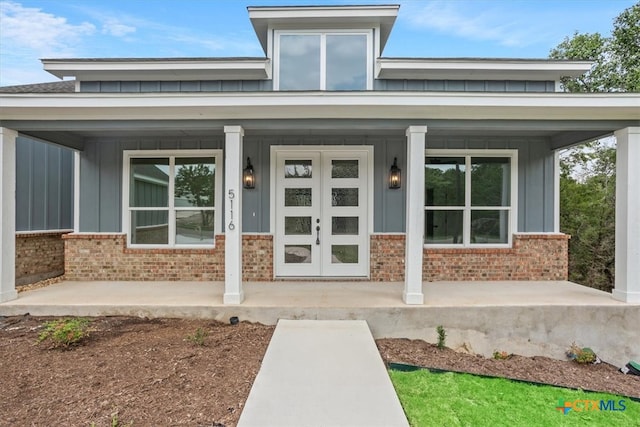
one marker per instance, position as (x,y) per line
(322,213)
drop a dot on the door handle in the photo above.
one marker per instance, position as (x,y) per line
(317,235)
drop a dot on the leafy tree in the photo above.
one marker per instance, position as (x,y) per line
(587,213)
(625,49)
(592,47)
(587,181)
(616,59)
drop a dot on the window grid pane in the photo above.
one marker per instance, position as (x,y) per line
(346,62)
(194,182)
(445,183)
(149,182)
(490,181)
(300,62)
(444,227)
(489,226)
(194,227)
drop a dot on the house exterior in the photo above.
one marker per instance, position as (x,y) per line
(43,198)
(321,160)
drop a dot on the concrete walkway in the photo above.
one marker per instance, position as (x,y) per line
(322,373)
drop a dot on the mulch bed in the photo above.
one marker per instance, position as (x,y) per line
(144,372)
(147,372)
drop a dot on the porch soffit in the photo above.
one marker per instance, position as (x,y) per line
(73,133)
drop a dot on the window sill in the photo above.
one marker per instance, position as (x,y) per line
(467,249)
(169,250)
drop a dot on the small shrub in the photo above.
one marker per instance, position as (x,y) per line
(501,355)
(582,355)
(65,332)
(115,421)
(198,337)
(442,336)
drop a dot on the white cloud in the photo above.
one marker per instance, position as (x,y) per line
(31,29)
(489,24)
(113,27)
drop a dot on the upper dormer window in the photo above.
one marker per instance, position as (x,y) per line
(323,60)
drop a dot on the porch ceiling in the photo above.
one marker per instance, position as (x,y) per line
(73,133)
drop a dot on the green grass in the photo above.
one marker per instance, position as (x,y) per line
(448,399)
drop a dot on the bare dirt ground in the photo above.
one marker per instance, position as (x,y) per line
(144,372)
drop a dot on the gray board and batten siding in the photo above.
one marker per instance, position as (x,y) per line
(101,176)
(44,186)
(267,85)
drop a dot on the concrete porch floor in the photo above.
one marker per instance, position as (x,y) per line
(528,318)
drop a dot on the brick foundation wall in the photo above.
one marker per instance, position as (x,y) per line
(257,257)
(39,256)
(387,257)
(533,257)
(106,257)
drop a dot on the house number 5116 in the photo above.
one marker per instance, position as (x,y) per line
(232,195)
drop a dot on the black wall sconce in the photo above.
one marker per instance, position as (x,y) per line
(248,177)
(395,175)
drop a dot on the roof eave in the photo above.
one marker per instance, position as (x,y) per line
(478,69)
(156,69)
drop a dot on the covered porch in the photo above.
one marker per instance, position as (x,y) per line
(532,127)
(541,318)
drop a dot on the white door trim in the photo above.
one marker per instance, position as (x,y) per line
(294,149)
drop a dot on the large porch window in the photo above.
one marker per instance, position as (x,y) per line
(323,60)
(470,198)
(171,199)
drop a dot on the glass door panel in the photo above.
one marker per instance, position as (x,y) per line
(321,213)
(297,212)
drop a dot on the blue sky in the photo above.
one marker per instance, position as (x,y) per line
(33,29)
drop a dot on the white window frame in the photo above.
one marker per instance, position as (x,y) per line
(467,208)
(323,53)
(171,155)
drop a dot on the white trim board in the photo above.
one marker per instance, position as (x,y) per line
(320,105)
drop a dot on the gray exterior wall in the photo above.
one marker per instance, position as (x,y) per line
(464,85)
(178,86)
(267,85)
(44,186)
(101,177)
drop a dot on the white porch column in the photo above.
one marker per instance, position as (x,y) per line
(8,214)
(233,293)
(627,287)
(415,215)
